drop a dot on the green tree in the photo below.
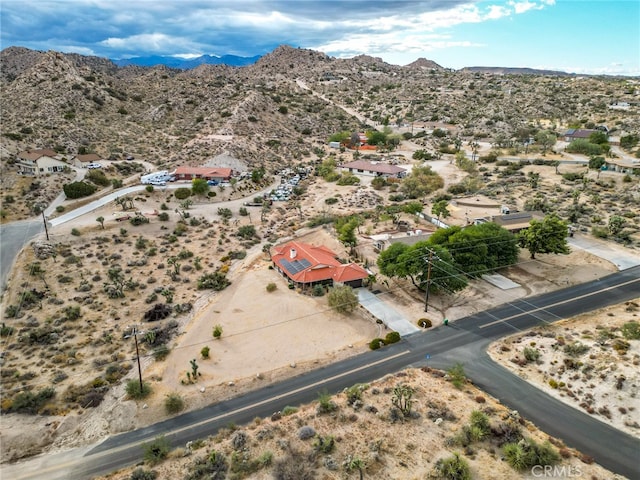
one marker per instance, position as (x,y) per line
(100,220)
(157,450)
(342,299)
(629,141)
(545,236)
(546,140)
(78,189)
(441,208)
(402,398)
(199,186)
(595,163)
(421,182)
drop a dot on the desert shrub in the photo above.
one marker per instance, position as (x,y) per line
(553,383)
(205,352)
(306,432)
(342,299)
(376,343)
(156,450)
(60,209)
(599,232)
(213,467)
(29,402)
(621,346)
(142,474)
(134,391)
(331,200)
(576,349)
(138,220)
(425,323)
(6,330)
(75,232)
(318,290)
(457,375)
(527,454)
(354,393)
(98,177)
(531,354)
(288,410)
(78,189)
(182,193)
(294,466)
(217,331)
(271,287)
(325,403)
(392,337)
(631,330)
(213,281)
(324,444)
(348,179)
(173,403)
(161,352)
(452,468)
(149,188)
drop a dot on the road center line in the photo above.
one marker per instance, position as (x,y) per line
(253,405)
(613,287)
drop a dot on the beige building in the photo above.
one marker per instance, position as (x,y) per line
(82,161)
(40,162)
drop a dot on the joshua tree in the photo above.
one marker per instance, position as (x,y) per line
(100,220)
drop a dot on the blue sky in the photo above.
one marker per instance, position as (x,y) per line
(581,36)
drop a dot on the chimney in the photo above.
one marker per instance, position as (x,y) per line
(292,253)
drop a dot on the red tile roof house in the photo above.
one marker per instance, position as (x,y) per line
(208,173)
(306,265)
(362,167)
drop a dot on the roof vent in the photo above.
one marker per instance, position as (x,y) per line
(292,253)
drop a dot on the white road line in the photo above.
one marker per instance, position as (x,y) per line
(529,312)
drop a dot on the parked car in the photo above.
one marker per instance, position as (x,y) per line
(130,157)
(93,165)
(213,183)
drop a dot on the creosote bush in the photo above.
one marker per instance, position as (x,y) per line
(173,403)
(134,391)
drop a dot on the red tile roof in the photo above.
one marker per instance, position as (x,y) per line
(305,263)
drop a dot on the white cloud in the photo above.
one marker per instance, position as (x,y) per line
(149,42)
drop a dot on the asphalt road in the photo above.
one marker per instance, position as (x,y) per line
(464,341)
(13,237)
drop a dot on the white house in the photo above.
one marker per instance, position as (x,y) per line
(375,169)
(40,162)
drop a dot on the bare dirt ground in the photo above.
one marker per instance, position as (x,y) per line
(603,379)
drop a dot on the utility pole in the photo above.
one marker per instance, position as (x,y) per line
(44,219)
(426,295)
(134,334)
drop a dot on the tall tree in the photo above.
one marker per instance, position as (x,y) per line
(199,186)
(546,236)
(421,182)
(441,208)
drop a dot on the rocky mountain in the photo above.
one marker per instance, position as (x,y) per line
(516,71)
(185,64)
(279,109)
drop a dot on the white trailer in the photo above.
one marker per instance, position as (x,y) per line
(161,176)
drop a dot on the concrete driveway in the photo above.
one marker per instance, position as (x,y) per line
(380,309)
(622,257)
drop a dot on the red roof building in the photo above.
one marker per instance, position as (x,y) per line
(307,265)
(208,173)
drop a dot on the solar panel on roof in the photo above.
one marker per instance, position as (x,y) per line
(296,266)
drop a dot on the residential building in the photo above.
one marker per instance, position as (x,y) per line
(207,173)
(39,162)
(514,222)
(307,265)
(376,169)
(82,161)
(577,133)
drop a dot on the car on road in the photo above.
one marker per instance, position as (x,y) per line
(93,165)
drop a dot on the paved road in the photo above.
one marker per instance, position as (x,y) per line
(465,341)
(14,236)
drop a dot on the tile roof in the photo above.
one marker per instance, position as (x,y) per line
(36,154)
(374,167)
(305,263)
(89,157)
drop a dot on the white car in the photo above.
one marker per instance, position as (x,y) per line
(93,165)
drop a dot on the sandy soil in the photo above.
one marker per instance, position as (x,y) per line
(390,450)
(604,380)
